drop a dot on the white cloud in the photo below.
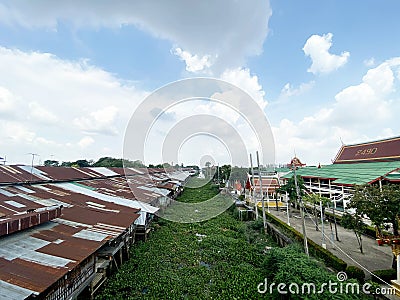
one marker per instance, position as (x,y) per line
(317,47)
(7,101)
(193,62)
(40,89)
(359,113)
(16,132)
(228,30)
(100,121)
(242,78)
(370,62)
(41,114)
(85,142)
(289,91)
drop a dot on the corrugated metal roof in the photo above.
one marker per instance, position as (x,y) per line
(107,198)
(13,292)
(356,173)
(98,208)
(104,171)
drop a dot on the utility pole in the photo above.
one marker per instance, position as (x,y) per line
(334,220)
(287,208)
(218,174)
(261,191)
(322,225)
(301,210)
(252,185)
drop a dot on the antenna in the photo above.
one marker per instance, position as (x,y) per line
(341,140)
(33,157)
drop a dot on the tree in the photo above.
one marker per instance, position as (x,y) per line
(316,199)
(290,188)
(238,173)
(355,222)
(81,163)
(108,162)
(117,163)
(223,172)
(382,206)
(51,163)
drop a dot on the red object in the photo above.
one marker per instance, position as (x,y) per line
(248,184)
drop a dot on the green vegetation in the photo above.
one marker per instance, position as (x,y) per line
(198,190)
(102,162)
(356,273)
(198,204)
(356,223)
(290,188)
(315,250)
(290,266)
(221,258)
(381,205)
(386,275)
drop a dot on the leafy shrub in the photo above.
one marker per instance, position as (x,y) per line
(290,265)
(257,224)
(356,273)
(314,249)
(386,275)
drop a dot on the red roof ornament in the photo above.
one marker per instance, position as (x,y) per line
(295,162)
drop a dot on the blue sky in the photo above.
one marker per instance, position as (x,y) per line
(73,73)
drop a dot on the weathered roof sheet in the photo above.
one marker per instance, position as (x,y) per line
(107,198)
(98,206)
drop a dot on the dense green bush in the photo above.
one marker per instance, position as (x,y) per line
(356,273)
(316,250)
(257,224)
(386,275)
(290,265)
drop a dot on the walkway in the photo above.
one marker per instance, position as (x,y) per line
(374,257)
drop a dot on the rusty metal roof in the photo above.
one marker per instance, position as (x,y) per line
(97,206)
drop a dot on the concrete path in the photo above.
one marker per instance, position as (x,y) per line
(374,257)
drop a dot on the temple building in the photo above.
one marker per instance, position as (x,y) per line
(376,162)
